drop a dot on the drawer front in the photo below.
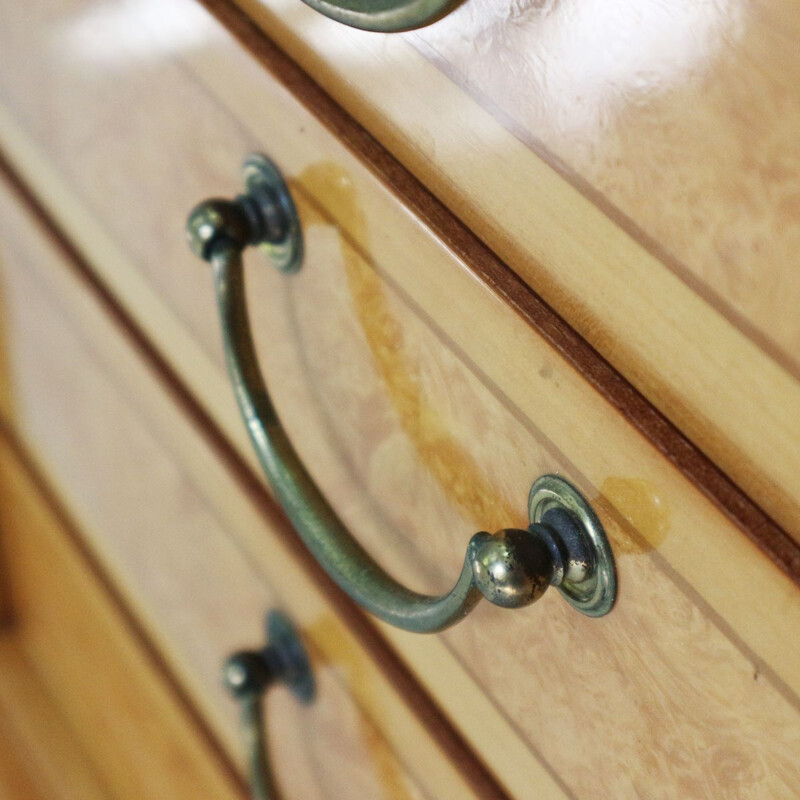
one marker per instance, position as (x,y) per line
(424,406)
(195,560)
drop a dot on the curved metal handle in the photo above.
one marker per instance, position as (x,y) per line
(386,16)
(565,545)
(249,673)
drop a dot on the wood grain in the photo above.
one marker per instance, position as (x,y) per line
(117,705)
(162,540)
(508,368)
(40,759)
(676,135)
(665,662)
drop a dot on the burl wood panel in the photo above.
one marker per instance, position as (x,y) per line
(417,447)
(417,452)
(657,109)
(107,435)
(637,164)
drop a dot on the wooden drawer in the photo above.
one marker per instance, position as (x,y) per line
(158,507)
(630,165)
(425,388)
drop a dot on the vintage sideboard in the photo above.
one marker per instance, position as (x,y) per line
(539,238)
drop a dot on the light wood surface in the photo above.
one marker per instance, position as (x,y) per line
(127,465)
(39,757)
(120,710)
(687,670)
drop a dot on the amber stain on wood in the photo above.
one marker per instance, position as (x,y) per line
(464,480)
(640,504)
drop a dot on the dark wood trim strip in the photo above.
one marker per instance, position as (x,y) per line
(474,771)
(756,524)
(715,299)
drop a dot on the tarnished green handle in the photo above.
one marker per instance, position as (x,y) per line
(320,528)
(511,568)
(248,674)
(385,16)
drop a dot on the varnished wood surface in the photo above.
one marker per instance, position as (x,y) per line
(657,112)
(120,710)
(645,189)
(684,639)
(166,540)
(39,759)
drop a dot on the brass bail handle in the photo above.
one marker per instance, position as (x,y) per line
(564,546)
(249,673)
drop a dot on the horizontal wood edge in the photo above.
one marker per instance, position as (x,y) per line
(475,773)
(683,454)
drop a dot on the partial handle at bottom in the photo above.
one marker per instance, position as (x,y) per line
(249,673)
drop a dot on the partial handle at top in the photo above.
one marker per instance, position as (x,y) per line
(565,545)
(384,16)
